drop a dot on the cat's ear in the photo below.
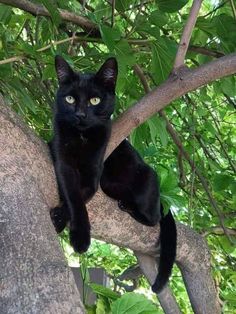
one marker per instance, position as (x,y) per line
(107,74)
(64,71)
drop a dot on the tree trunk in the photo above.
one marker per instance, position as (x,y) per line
(34,276)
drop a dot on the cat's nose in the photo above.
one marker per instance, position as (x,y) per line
(80,114)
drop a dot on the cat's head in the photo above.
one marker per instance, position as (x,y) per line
(85,100)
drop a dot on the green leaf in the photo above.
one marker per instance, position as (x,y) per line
(225,27)
(101,12)
(171,5)
(133,303)
(210,128)
(222,182)
(103,307)
(171,198)
(5,14)
(110,36)
(49,72)
(103,291)
(158,18)
(139,136)
(163,53)
(206,25)
(227,246)
(228,86)
(122,5)
(23,95)
(157,128)
(125,56)
(168,180)
(53,11)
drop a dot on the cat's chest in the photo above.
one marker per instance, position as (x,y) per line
(74,148)
(78,151)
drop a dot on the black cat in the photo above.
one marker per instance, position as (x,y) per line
(82,126)
(135,185)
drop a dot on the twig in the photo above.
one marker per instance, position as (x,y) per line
(230,101)
(185,39)
(12,59)
(233,8)
(73,39)
(113,5)
(216,8)
(205,51)
(218,230)
(233,166)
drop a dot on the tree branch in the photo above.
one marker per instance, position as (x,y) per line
(205,51)
(218,230)
(187,32)
(171,89)
(37,9)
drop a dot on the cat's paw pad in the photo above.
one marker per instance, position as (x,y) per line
(80,240)
(58,218)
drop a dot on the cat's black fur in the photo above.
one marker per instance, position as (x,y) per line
(135,185)
(81,133)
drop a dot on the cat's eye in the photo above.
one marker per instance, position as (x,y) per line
(94,101)
(70,100)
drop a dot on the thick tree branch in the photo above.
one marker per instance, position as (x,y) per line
(37,9)
(171,89)
(187,32)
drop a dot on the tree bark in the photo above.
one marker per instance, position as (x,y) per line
(34,276)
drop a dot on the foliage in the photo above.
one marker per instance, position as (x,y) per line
(146,33)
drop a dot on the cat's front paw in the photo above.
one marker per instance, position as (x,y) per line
(58,218)
(80,239)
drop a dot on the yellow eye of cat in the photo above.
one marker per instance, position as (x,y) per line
(94,101)
(70,100)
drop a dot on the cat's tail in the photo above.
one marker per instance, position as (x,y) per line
(168,239)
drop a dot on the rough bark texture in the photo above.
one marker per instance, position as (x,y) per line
(34,278)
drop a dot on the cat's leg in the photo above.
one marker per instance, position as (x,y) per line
(89,182)
(69,182)
(119,192)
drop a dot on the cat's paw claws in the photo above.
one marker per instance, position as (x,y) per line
(58,218)
(80,240)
